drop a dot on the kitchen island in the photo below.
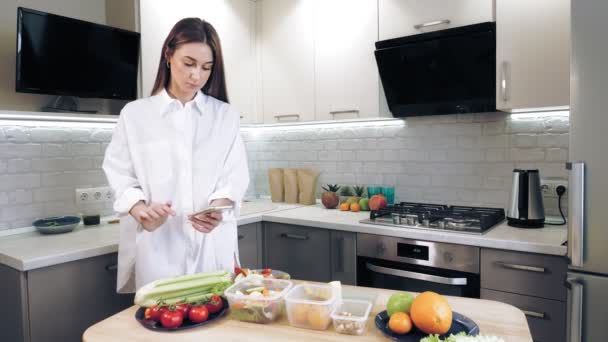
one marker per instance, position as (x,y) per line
(493,318)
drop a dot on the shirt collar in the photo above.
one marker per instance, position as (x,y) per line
(169,104)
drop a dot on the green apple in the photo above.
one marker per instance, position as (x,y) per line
(399,302)
(364,203)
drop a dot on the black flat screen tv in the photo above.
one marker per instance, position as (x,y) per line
(63,56)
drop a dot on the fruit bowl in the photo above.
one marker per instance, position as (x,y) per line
(460,323)
(56,225)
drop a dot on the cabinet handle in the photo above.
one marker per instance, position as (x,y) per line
(574,310)
(503,81)
(416,275)
(340,254)
(241,237)
(242,116)
(294,236)
(520,267)
(576,213)
(534,314)
(279,117)
(344,111)
(112,268)
(432,23)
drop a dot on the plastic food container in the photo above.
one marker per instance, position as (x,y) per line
(247,303)
(350,316)
(309,306)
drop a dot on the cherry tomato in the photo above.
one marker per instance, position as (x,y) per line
(198,313)
(156,311)
(267,271)
(183,308)
(147,313)
(215,304)
(171,319)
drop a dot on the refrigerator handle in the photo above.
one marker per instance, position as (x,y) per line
(574,329)
(576,215)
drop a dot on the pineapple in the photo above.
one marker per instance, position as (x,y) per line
(330,197)
(359,190)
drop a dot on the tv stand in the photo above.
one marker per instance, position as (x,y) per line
(66,104)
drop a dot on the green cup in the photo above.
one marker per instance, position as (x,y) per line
(389,194)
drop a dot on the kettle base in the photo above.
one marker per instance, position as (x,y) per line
(519,223)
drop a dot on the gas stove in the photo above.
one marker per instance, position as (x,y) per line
(440,217)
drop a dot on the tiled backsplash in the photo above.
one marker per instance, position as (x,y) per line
(464,159)
(457,159)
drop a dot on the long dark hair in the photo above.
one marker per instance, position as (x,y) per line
(191,30)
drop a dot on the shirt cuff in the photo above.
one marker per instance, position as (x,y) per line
(128,199)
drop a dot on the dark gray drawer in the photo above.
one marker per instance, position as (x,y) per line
(303,252)
(546,317)
(524,273)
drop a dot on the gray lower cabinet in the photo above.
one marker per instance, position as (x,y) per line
(58,303)
(532,282)
(303,252)
(344,257)
(250,245)
(546,317)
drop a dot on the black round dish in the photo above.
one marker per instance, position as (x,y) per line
(153,325)
(459,323)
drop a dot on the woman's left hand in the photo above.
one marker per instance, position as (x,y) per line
(206,223)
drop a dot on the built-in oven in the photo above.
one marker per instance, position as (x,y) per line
(417,266)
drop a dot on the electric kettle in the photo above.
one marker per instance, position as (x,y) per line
(526,208)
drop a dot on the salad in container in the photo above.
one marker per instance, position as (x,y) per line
(258,299)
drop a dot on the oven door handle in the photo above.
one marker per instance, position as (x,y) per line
(416,275)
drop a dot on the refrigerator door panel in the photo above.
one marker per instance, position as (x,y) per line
(587,307)
(589,123)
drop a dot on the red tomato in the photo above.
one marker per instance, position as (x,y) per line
(171,319)
(267,271)
(156,311)
(183,308)
(215,304)
(198,313)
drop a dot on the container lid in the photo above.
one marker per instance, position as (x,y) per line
(305,293)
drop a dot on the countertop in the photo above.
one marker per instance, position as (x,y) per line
(31,250)
(493,318)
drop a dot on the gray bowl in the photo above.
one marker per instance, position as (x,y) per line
(56,225)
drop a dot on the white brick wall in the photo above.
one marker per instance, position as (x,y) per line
(457,159)
(41,166)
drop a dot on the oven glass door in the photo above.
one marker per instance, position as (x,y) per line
(393,275)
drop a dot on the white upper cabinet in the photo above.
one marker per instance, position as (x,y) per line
(239,49)
(532,54)
(346,75)
(407,17)
(287,60)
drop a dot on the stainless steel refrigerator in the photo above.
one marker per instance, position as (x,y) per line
(587,280)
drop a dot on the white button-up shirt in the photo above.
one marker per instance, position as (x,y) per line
(190,155)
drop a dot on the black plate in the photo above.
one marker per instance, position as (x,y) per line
(153,325)
(459,323)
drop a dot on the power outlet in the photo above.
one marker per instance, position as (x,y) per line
(549,186)
(94,195)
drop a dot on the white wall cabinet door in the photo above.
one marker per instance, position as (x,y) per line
(346,75)
(238,44)
(532,54)
(287,66)
(400,17)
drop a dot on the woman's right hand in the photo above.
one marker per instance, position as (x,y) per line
(153,215)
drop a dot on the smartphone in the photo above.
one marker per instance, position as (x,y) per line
(212,210)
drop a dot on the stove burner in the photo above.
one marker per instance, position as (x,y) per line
(438,217)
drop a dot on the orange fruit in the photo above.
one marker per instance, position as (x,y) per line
(345,206)
(400,323)
(431,313)
(355,207)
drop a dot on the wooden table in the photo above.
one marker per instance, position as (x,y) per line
(493,318)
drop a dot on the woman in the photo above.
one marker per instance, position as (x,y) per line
(173,154)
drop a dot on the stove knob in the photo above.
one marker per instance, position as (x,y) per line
(380,249)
